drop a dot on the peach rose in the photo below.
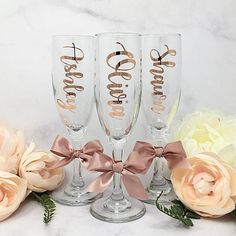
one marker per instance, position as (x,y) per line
(12,193)
(12,145)
(208,187)
(33,168)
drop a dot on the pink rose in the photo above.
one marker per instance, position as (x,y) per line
(12,193)
(12,145)
(208,187)
(33,168)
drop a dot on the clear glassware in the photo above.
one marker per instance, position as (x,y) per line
(73,67)
(117,94)
(161,90)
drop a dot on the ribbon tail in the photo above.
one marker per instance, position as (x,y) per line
(59,164)
(134,186)
(175,161)
(101,183)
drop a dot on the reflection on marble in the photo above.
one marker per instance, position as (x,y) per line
(208,31)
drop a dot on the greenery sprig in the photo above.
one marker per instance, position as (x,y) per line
(178,211)
(47,203)
(233,213)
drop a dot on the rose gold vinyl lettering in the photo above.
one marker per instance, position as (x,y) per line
(159,61)
(71,78)
(122,62)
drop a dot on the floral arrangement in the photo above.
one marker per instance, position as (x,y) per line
(207,186)
(23,171)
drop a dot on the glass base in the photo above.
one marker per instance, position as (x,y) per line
(74,196)
(109,210)
(154,190)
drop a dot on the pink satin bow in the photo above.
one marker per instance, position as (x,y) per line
(62,147)
(128,170)
(173,152)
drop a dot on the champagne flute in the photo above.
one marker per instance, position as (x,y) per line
(117,94)
(161,73)
(73,77)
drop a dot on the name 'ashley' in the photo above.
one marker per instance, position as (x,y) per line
(71,75)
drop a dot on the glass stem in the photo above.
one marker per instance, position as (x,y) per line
(160,140)
(117,154)
(158,170)
(76,138)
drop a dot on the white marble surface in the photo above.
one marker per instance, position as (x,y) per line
(76,221)
(208,29)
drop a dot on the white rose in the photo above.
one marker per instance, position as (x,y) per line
(228,154)
(206,132)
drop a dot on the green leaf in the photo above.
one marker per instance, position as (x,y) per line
(187,222)
(177,202)
(178,211)
(192,215)
(233,213)
(47,203)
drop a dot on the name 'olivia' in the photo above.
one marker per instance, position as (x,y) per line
(124,63)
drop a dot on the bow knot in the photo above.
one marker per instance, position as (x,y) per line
(118,167)
(128,170)
(173,152)
(76,153)
(159,151)
(62,147)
